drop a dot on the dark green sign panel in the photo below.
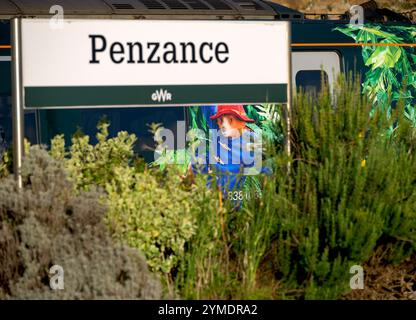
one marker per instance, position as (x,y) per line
(90,96)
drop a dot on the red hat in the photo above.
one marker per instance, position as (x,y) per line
(233,109)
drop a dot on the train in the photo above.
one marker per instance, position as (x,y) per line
(322,45)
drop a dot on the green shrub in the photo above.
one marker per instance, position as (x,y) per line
(150,210)
(222,259)
(151,214)
(351,190)
(45,224)
(88,165)
(5,163)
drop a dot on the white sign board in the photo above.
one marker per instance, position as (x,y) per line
(91,63)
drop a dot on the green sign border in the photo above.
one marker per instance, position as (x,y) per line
(95,96)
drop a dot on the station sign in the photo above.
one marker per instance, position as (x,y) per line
(109,63)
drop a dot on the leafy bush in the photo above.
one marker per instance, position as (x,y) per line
(152,215)
(150,210)
(88,165)
(46,224)
(5,163)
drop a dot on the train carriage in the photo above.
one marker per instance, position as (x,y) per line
(320,47)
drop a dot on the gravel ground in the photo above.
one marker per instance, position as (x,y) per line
(340,6)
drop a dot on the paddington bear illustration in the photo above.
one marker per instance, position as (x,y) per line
(232,150)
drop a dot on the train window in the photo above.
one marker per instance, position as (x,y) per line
(132,120)
(5,104)
(315,61)
(30,127)
(6,131)
(311,80)
(5,123)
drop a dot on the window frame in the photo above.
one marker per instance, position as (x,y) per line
(327,60)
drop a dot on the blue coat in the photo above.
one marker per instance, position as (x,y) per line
(230,159)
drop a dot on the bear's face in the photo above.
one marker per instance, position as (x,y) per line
(230,126)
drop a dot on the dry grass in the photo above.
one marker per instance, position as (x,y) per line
(386,281)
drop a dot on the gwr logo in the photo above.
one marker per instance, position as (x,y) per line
(161,95)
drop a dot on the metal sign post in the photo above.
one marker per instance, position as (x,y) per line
(17,101)
(289,101)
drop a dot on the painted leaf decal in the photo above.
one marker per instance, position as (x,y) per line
(384,56)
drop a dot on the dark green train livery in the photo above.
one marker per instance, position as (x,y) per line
(318,45)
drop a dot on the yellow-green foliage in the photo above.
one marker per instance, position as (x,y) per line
(150,214)
(5,163)
(89,164)
(147,209)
